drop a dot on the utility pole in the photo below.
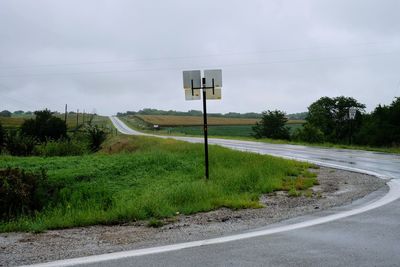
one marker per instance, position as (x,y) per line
(77,118)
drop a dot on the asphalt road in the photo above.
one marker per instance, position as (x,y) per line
(357,235)
(369,239)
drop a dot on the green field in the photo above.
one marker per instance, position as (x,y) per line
(230,130)
(136,178)
(235,130)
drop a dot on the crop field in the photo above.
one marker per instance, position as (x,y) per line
(15,122)
(164,120)
(143,178)
(229,127)
(11,122)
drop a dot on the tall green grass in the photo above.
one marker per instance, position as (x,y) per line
(136,178)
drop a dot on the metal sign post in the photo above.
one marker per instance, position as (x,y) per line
(352,116)
(193,83)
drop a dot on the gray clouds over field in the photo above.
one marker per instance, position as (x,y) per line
(126,55)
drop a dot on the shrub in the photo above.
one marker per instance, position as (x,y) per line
(309,133)
(21,192)
(45,127)
(96,137)
(272,125)
(61,148)
(18,144)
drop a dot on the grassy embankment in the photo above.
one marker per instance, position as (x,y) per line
(136,178)
(243,132)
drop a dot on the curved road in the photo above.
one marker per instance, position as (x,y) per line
(365,233)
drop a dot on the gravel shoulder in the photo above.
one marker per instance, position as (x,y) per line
(336,188)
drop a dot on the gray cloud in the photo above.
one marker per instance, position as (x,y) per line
(126,55)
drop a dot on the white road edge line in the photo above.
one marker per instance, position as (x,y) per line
(392,195)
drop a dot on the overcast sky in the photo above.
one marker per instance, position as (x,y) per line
(127,55)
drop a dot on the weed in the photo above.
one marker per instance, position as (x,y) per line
(294,193)
(155,223)
(308,193)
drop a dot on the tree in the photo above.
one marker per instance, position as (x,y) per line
(330,115)
(382,126)
(272,125)
(44,126)
(19,112)
(5,113)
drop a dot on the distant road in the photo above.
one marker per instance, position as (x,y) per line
(366,233)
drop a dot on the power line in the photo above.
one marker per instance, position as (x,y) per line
(183,57)
(17,101)
(200,67)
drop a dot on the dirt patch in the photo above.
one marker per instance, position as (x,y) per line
(335,188)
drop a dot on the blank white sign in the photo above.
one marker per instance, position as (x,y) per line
(188,76)
(213,94)
(213,74)
(195,95)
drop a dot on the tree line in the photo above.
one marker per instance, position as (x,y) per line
(328,120)
(20,113)
(248,115)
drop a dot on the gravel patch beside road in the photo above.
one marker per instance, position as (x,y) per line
(336,188)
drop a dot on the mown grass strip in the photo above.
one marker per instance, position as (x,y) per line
(136,178)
